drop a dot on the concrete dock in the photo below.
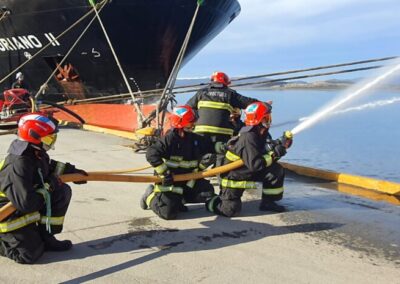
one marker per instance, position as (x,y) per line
(325,237)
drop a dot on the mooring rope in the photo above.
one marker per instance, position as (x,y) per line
(185,89)
(43,87)
(163,102)
(135,102)
(49,44)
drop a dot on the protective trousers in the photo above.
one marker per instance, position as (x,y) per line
(167,205)
(229,202)
(27,244)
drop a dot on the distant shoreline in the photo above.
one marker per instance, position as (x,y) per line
(312,86)
(333,84)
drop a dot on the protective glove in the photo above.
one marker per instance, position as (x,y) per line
(81,172)
(287,139)
(167,179)
(221,148)
(207,160)
(231,143)
(68,169)
(278,152)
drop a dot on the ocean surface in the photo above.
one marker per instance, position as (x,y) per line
(363,138)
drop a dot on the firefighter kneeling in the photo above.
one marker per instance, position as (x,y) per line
(29,179)
(180,151)
(260,171)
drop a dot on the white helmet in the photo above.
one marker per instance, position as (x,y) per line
(19,76)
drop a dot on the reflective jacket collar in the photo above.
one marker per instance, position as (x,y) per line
(216,85)
(255,128)
(18,147)
(245,129)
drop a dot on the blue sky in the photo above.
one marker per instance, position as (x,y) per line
(277,35)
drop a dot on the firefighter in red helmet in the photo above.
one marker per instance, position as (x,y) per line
(260,154)
(29,180)
(214,105)
(180,151)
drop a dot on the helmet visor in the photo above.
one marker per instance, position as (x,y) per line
(49,140)
(267,120)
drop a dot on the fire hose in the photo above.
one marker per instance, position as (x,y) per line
(8,209)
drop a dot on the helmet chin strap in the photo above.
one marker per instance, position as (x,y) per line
(263,130)
(36,146)
(47,147)
(265,125)
(181,132)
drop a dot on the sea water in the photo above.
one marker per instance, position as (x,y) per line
(362,138)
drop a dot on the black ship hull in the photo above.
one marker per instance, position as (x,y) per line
(146,34)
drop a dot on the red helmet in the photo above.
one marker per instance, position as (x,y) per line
(256,112)
(182,116)
(220,77)
(33,127)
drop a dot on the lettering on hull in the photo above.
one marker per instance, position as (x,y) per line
(26,42)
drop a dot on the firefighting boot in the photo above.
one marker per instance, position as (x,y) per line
(146,194)
(269,205)
(52,244)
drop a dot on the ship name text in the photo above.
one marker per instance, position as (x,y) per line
(26,42)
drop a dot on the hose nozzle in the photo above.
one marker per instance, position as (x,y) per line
(287,139)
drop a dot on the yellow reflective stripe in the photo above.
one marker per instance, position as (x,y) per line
(53,220)
(182,164)
(272,191)
(189,164)
(268,159)
(213,129)
(60,167)
(2,194)
(240,184)
(20,222)
(176,158)
(191,183)
(150,198)
(215,105)
(210,203)
(231,156)
(159,188)
(161,168)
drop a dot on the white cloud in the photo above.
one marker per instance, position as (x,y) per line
(269,25)
(275,35)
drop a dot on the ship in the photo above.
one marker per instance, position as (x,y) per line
(146,36)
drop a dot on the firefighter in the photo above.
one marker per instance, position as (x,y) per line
(214,105)
(19,83)
(260,171)
(180,151)
(29,179)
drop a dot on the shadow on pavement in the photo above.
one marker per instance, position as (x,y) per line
(216,234)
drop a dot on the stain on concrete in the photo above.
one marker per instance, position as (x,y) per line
(81,201)
(101,199)
(141,222)
(224,235)
(169,245)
